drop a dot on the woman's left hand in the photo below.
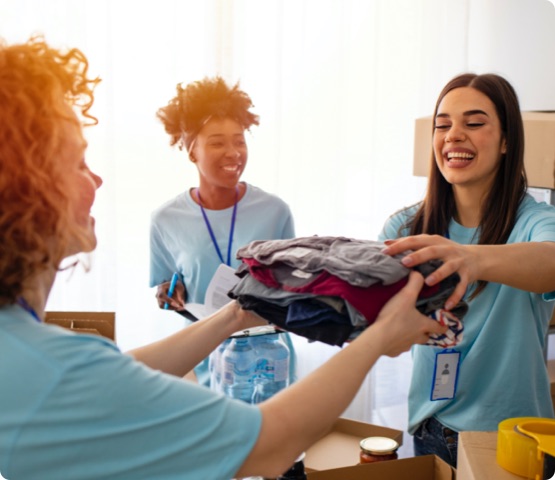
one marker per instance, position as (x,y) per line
(462,259)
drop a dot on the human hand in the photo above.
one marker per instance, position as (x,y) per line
(249,318)
(238,319)
(399,322)
(176,301)
(462,259)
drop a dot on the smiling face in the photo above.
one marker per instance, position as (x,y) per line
(84,184)
(220,153)
(468,142)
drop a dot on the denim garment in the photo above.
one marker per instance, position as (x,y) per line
(253,288)
(434,438)
(330,332)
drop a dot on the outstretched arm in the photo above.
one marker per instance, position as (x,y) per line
(527,266)
(301,414)
(181,352)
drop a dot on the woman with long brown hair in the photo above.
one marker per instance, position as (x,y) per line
(478,219)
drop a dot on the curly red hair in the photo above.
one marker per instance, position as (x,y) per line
(194,105)
(39,86)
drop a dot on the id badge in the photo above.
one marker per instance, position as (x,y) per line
(446,375)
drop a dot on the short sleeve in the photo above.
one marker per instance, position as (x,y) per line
(122,419)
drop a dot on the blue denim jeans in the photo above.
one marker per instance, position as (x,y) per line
(434,438)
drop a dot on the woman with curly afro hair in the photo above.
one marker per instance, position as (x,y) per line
(204,225)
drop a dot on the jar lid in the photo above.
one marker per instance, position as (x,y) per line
(378,445)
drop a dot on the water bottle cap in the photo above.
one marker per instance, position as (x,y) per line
(256,331)
(300,458)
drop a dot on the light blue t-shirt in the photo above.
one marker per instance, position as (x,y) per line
(180,242)
(502,370)
(73,406)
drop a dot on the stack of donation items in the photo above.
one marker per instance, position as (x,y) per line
(330,289)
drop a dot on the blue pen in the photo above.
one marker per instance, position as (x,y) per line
(175,277)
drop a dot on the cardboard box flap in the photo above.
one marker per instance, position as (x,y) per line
(341,446)
(99,323)
(61,322)
(89,331)
(427,467)
(103,328)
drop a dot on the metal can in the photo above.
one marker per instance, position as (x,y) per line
(378,449)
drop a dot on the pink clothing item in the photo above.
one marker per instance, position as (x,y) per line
(367,300)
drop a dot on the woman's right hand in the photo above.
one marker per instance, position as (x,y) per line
(177,301)
(462,259)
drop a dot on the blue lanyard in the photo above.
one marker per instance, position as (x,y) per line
(232,228)
(23,304)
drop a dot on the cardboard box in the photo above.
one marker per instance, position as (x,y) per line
(422,146)
(539,150)
(427,467)
(477,458)
(340,447)
(98,323)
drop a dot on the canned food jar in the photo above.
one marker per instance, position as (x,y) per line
(378,449)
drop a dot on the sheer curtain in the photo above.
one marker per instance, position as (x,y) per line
(337,84)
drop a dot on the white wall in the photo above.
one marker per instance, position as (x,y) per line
(517,39)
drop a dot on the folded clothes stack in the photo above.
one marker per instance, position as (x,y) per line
(329,289)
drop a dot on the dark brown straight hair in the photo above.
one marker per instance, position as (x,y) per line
(499,211)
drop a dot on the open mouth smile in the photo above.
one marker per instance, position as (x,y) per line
(461,158)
